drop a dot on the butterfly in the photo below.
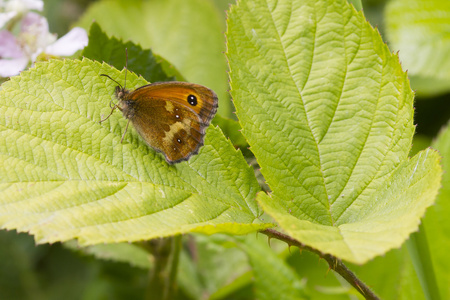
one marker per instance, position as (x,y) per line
(171,117)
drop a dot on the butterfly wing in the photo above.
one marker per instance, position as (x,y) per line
(178,92)
(172,117)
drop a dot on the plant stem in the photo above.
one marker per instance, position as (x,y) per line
(335,264)
(162,281)
(419,252)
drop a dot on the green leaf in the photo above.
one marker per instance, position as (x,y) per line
(18,273)
(52,272)
(437,227)
(231,129)
(273,277)
(320,282)
(420,30)
(391,276)
(64,176)
(120,252)
(189,34)
(356,4)
(420,142)
(210,266)
(143,62)
(327,111)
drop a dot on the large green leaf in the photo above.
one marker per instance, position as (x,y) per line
(421,31)
(64,176)
(189,34)
(327,111)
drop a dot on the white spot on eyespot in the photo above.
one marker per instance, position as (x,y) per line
(177,116)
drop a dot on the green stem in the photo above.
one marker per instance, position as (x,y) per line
(162,281)
(175,258)
(423,265)
(335,264)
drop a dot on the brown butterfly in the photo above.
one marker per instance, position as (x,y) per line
(171,117)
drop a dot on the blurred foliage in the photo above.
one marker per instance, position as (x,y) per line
(61,14)
(54,272)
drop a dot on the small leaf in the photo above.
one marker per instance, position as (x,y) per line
(199,273)
(143,62)
(231,129)
(121,252)
(327,111)
(64,176)
(273,277)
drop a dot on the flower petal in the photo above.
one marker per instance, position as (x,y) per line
(34,36)
(5,17)
(33,22)
(11,67)
(34,4)
(70,43)
(9,48)
(22,6)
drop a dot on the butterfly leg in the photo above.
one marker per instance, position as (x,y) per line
(112,110)
(126,128)
(111,104)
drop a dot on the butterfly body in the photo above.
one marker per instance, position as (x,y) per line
(171,117)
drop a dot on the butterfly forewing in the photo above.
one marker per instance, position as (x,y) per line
(205,104)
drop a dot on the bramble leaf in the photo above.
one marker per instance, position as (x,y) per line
(328,113)
(64,175)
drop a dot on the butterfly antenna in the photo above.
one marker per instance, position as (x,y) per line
(111,79)
(126,67)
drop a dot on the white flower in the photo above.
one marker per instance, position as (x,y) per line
(11,8)
(6,17)
(33,40)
